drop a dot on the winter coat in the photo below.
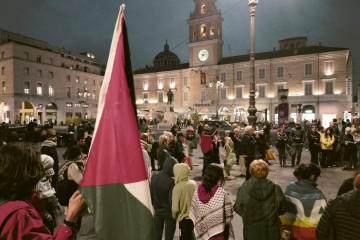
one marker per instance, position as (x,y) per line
(248,143)
(162,153)
(162,185)
(297,135)
(306,203)
(49,148)
(327,142)
(314,141)
(147,161)
(20,220)
(351,146)
(257,202)
(341,219)
(182,193)
(281,140)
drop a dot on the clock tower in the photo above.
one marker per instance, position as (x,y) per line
(205,34)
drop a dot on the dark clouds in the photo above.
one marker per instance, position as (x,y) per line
(87,25)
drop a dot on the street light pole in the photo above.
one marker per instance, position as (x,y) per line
(252,109)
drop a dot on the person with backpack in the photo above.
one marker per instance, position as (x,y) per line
(70,175)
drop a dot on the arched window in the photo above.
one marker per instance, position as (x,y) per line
(203,30)
(203,9)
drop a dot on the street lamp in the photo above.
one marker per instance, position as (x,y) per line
(252,109)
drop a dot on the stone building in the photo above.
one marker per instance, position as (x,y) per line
(319,78)
(46,82)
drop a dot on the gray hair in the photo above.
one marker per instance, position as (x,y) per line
(162,139)
(247,128)
(348,129)
(168,134)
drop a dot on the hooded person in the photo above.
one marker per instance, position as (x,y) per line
(341,219)
(48,147)
(161,188)
(181,200)
(259,202)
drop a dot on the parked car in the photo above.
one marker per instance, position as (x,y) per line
(16,133)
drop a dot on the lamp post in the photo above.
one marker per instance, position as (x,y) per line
(252,109)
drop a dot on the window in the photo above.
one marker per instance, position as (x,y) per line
(185,81)
(203,95)
(308,69)
(308,88)
(329,68)
(279,86)
(26,71)
(85,81)
(94,83)
(348,86)
(203,8)
(160,84)
(3,71)
(68,78)
(77,79)
(239,92)
(194,35)
(51,75)
(26,87)
(51,90)
(38,58)
(39,89)
(262,73)
(38,73)
(186,96)
(26,55)
(172,82)
(93,94)
(280,72)
(77,105)
(329,87)
(160,96)
(239,76)
(51,61)
(223,77)
(203,30)
(78,95)
(223,93)
(261,91)
(68,92)
(212,31)
(69,104)
(145,84)
(146,96)
(3,87)
(2,55)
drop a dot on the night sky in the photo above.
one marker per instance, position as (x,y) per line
(87,25)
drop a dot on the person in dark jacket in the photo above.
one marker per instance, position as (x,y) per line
(314,145)
(162,152)
(259,202)
(281,141)
(249,141)
(348,150)
(162,184)
(345,125)
(297,137)
(348,184)
(341,219)
(179,147)
(48,147)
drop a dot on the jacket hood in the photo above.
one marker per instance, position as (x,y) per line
(259,188)
(352,203)
(48,143)
(205,197)
(144,145)
(169,166)
(181,172)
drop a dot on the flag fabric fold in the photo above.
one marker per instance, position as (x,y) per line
(115,184)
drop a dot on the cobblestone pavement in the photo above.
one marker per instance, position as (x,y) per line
(328,183)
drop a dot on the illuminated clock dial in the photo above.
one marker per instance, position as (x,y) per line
(203,55)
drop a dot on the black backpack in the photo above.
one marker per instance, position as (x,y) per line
(65,188)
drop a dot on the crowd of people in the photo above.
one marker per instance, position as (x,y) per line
(33,184)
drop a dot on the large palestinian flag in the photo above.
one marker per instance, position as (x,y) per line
(115,184)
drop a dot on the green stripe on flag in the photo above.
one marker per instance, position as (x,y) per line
(112,202)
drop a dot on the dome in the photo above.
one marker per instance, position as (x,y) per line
(166,58)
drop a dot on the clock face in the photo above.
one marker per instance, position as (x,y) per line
(203,55)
